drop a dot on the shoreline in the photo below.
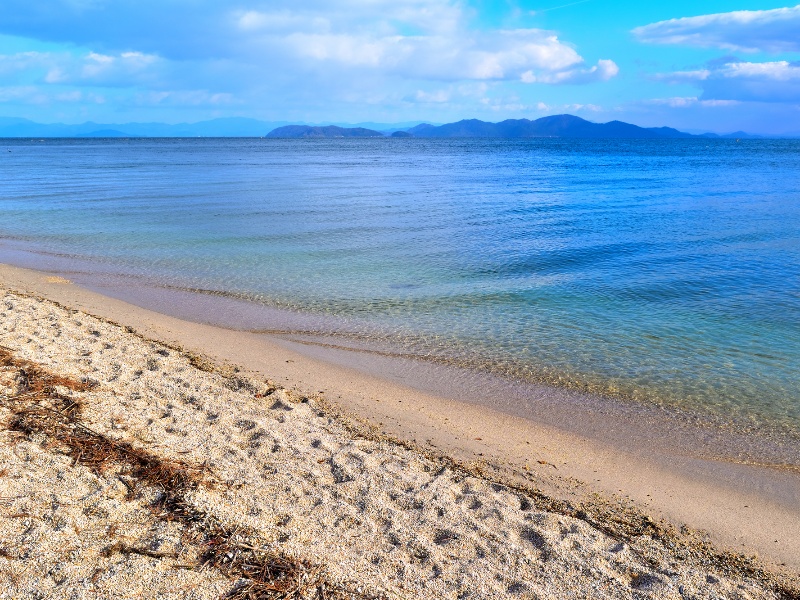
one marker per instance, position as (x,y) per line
(752,438)
(743,507)
(778,434)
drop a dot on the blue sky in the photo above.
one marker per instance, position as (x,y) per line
(705,65)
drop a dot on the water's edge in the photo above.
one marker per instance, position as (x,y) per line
(626,423)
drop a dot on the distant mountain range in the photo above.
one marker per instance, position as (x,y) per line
(330,131)
(556,126)
(564,126)
(226,127)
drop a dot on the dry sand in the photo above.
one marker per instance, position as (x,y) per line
(284,473)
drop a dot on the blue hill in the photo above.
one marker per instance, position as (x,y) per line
(330,131)
(568,126)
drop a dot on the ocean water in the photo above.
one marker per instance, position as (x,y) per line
(662,271)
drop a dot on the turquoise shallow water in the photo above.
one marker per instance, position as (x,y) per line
(667,271)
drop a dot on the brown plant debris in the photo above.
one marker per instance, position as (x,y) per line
(261,572)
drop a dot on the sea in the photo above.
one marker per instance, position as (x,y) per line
(657,272)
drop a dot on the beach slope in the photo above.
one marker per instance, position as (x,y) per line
(131,468)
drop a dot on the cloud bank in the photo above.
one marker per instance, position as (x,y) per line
(773,31)
(413,39)
(776,81)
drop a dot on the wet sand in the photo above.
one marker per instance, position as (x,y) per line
(567,452)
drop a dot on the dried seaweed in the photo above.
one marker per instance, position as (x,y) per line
(262,573)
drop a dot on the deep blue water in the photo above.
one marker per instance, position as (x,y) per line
(666,270)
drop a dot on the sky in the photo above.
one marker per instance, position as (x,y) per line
(703,65)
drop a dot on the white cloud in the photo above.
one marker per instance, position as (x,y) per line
(56,75)
(73,96)
(683,76)
(78,96)
(250,21)
(773,30)
(21,61)
(437,96)
(183,98)
(769,71)
(100,59)
(125,66)
(513,104)
(584,107)
(602,71)
(528,54)
(690,101)
(92,68)
(16,93)
(777,81)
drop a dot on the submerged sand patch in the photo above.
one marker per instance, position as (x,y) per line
(286,476)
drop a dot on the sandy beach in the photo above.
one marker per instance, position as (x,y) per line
(144,456)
